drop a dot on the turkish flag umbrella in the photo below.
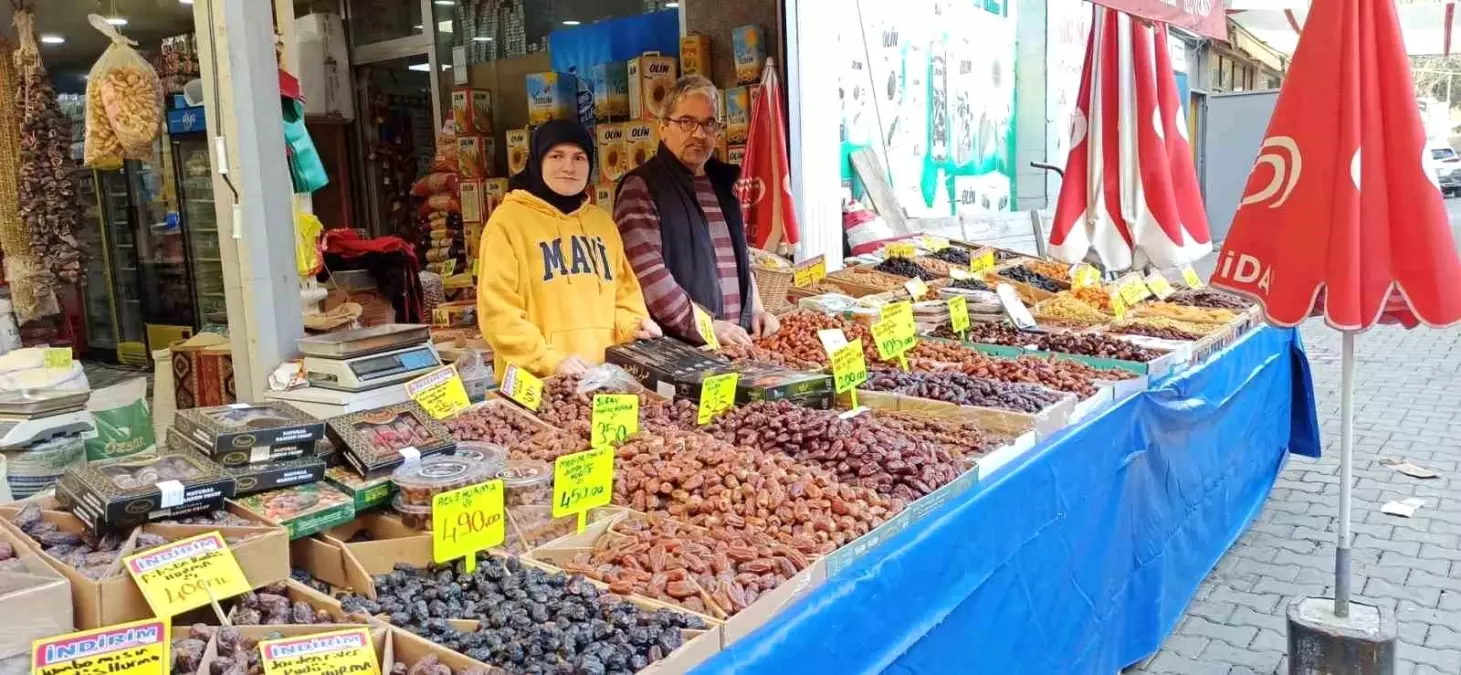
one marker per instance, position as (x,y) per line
(765,185)
(1340,215)
(1130,192)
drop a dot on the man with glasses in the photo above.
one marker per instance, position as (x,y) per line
(682,227)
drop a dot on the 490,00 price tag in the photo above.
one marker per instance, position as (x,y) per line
(466,521)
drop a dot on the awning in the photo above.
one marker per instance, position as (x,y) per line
(1428,27)
(1204,17)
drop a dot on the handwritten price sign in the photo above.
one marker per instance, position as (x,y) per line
(1084,275)
(522,386)
(582,481)
(440,392)
(187,574)
(1159,285)
(717,395)
(959,314)
(616,418)
(898,251)
(705,326)
(1190,277)
(466,521)
(809,272)
(343,651)
(849,368)
(57,357)
(892,341)
(981,262)
(136,648)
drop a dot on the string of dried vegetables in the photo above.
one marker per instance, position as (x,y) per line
(47,194)
(30,299)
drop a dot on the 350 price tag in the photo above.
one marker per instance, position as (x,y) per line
(522,386)
(717,395)
(342,651)
(616,418)
(187,574)
(582,481)
(465,521)
(136,648)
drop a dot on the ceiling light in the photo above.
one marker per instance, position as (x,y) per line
(446,3)
(52,39)
(117,20)
(672,5)
(479,38)
(571,22)
(186,2)
(425,67)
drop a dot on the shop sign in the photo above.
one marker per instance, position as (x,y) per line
(1204,17)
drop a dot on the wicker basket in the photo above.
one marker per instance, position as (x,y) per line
(772,284)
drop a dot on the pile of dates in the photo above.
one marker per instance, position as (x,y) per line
(430,665)
(187,649)
(271,607)
(903,267)
(664,559)
(1210,298)
(987,332)
(1058,374)
(1093,344)
(492,424)
(762,356)
(960,438)
(93,556)
(858,450)
(961,389)
(567,408)
(797,339)
(710,483)
(549,444)
(1035,279)
(532,621)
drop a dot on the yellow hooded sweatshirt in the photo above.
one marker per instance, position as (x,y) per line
(552,285)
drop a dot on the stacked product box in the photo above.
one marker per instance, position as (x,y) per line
(675,369)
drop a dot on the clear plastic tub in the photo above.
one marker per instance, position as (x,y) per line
(526,483)
(417,482)
(414,517)
(490,454)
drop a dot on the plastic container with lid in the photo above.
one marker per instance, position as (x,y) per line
(491,454)
(526,483)
(417,482)
(414,517)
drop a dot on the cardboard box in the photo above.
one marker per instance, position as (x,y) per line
(749,46)
(37,601)
(651,77)
(262,553)
(737,115)
(472,157)
(262,433)
(695,55)
(735,154)
(611,91)
(552,96)
(641,142)
(610,150)
(517,152)
(471,109)
(114,496)
(390,538)
(302,510)
(474,201)
(604,197)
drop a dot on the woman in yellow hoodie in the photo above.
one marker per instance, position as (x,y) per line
(555,288)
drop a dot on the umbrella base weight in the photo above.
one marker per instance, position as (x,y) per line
(1362,643)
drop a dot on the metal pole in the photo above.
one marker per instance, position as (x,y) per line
(1346,459)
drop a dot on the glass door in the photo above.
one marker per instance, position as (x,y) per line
(200,225)
(119,254)
(162,257)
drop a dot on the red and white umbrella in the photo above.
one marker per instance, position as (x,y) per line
(1130,192)
(1340,216)
(765,185)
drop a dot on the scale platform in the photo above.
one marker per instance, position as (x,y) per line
(371,371)
(326,403)
(17,431)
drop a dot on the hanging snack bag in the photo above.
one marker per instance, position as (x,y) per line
(124,86)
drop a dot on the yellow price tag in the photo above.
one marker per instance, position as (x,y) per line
(465,521)
(1118,306)
(449,267)
(717,395)
(341,651)
(1085,276)
(809,272)
(582,481)
(849,368)
(984,261)
(898,312)
(900,250)
(1159,285)
(187,574)
(705,325)
(440,392)
(1189,277)
(475,266)
(616,418)
(1133,291)
(959,314)
(57,357)
(135,648)
(916,288)
(522,386)
(891,339)
(935,244)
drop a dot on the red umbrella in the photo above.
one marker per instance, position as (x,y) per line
(765,185)
(1130,191)
(1340,215)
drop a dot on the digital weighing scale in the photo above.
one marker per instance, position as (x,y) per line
(326,403)
(369,358)
(28,418)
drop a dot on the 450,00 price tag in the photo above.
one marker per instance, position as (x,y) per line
(466,521)
(582,481)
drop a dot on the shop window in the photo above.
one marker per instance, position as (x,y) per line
(381,20)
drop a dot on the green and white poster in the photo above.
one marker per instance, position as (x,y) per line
(929,85)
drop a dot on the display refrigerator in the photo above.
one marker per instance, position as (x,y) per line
(194,176)
(119,313)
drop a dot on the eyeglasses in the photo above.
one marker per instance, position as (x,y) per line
(689,124)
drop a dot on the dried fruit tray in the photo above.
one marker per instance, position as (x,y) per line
(174,483)
(241,433)
(377,441)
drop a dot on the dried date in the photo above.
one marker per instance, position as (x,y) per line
(959,388)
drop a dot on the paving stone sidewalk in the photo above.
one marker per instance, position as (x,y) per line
(1407,406)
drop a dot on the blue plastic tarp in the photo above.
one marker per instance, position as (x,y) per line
(1081,556)
(580,48)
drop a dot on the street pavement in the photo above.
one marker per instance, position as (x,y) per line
(1407,406)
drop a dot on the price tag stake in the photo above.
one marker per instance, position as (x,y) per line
(465,521)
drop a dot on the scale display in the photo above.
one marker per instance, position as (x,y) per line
(368,372)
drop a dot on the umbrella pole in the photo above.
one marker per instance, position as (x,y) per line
(1346,460)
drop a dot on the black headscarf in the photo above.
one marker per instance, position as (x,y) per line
(553,133)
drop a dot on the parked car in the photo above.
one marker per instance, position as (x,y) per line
(1443,160)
